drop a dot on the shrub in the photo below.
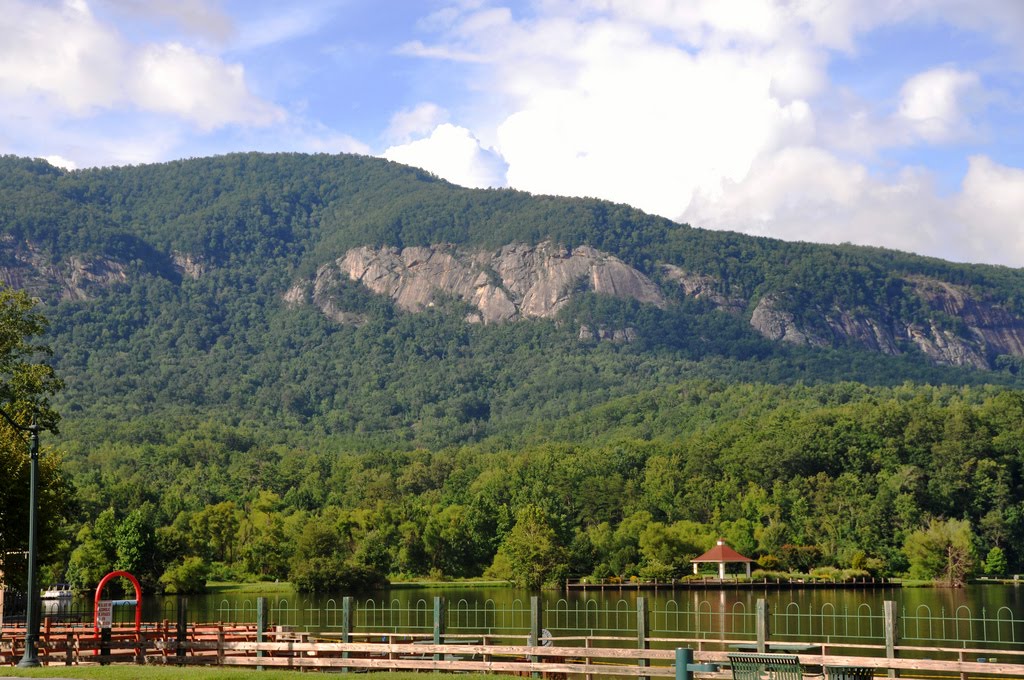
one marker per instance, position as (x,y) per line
(762,574)
(188,576)
(853,574)
(830,573)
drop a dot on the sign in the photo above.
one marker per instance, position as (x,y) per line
(105,613)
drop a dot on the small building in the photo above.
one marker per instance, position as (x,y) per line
(721,554)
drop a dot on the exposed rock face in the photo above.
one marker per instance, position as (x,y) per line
(588,333)
(990,329)
(703,287)
(953,325)
(862,330)
(520,281)
(517,281)
(945,347)
(75,278)
(188,265)
(776,324)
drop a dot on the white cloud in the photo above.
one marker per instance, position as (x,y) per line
(416,48)
(283,23)
(60,162)
(200,17)
(62,55)
(991,204)
(808,194)
(66,60)
(301,135)
(455,154)
(415,122)
(722,112)
(176,79)
(647,124)
(935,103)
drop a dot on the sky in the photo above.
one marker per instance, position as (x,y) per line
(894,123)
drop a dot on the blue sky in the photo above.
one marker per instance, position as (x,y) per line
(879,122)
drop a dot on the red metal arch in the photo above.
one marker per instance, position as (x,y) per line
(99,592)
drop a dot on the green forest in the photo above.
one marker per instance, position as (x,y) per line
(209,430)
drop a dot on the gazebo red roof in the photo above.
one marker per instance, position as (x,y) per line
(721,553)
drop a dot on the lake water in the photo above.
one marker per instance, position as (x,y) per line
(980,614)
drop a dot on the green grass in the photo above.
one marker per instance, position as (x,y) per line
(254,587)
(132,672)
(458,583)
(273,588)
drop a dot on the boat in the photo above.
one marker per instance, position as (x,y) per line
(58,591)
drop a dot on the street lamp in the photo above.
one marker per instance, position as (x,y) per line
(30,658)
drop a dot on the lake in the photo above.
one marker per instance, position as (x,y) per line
(990,613)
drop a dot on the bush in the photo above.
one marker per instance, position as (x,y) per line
(222,571)
(762,574)
(330,575)
(657,571)
(829,573)
(188,576)
(799,557)
(853,574)
(500,569)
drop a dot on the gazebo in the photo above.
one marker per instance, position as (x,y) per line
(722,555)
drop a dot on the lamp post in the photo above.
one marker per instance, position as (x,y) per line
(30,658)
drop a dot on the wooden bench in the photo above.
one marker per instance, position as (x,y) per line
(765,667)
(849,672)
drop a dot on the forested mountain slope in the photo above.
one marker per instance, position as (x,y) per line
(281,284)
(263,323)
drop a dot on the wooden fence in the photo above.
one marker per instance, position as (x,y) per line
(587,656)
(587,641)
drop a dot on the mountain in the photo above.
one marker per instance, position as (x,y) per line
(373,299)
(323,367)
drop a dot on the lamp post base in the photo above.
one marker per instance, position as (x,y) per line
(29,662)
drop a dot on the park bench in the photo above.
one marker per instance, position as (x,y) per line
(849,672)
(765,667)
(788,667)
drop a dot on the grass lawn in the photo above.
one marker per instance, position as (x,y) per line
(272,588)
(132,672)
(254,587)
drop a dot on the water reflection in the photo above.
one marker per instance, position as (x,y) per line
(976,612)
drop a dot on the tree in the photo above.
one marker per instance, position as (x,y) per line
(944,551)
(25,386)
(995,562)
(135,545)
(89,561)
(533,551)
(187,577)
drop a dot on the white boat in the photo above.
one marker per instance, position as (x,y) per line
(58,591)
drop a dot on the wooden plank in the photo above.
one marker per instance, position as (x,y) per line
(513,659)
(421,648)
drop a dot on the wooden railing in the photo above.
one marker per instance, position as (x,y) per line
(589,657)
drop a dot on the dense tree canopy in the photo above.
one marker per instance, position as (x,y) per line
(213,428)
(26,384)
(876,479)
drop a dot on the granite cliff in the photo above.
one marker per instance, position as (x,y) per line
(515,282)
(520,281)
